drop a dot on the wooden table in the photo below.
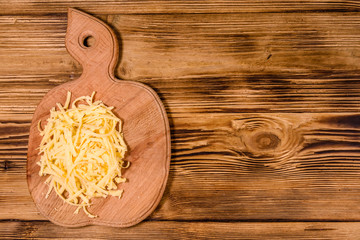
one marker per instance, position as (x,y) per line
(263,99)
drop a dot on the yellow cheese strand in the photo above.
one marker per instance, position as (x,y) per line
(82,152)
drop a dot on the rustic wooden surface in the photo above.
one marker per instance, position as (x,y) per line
(263,99)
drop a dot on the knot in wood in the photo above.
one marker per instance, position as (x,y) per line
(6,165)
(266,140)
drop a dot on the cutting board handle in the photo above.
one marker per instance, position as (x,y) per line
(93,44)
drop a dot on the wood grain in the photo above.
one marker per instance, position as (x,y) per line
(222,71)
(145,127)
(262,98)
(186,230)
(176,6)
(213,45)
(279,166)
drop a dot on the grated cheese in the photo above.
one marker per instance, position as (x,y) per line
(82,151)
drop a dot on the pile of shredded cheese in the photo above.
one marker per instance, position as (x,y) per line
(82,152)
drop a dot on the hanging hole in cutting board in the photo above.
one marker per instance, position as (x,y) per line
(89,41)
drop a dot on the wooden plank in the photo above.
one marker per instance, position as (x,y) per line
(289,166)
(212,62)
(186,230)
(336,93)
(173,46)
(233,44)
(174,6)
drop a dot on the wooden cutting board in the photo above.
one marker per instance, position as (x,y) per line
(146,131)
